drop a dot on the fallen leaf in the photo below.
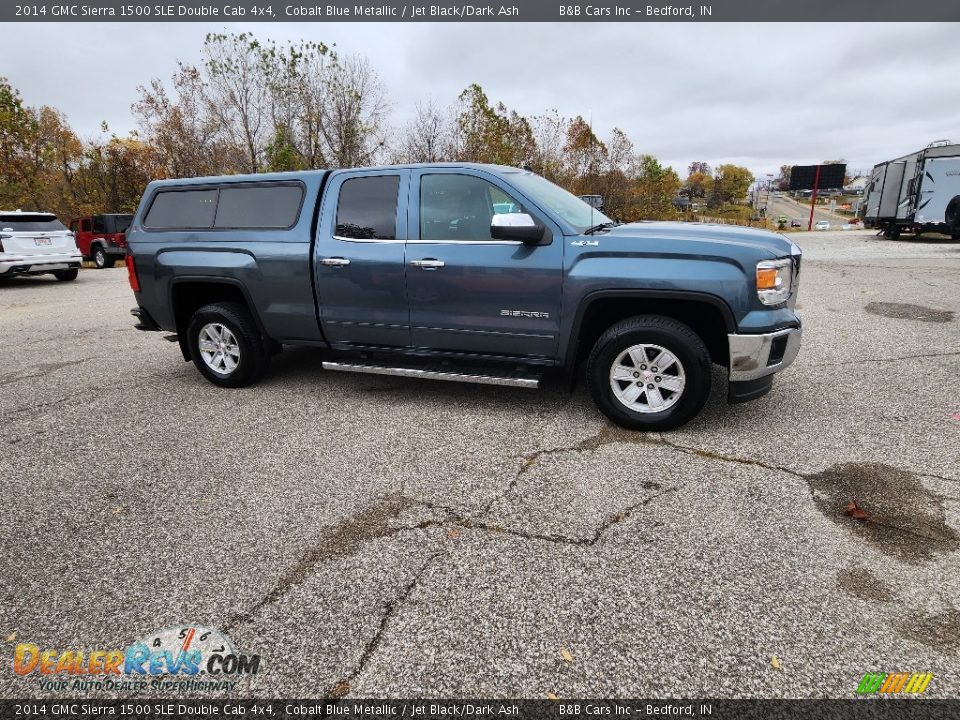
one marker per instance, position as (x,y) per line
(565,654)
(12,637)
(855,511)
(341,689)
(453,533)
(956,416)
(775,662)
(551,696)
(117,511)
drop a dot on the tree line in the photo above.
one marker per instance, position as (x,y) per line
(253,106)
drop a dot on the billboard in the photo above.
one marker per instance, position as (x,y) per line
(831,177)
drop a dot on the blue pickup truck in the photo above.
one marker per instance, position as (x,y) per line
(475,273)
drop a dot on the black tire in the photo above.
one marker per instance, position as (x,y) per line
(66,275)
(669,334)
(100,258)
(951,217)
(252,357)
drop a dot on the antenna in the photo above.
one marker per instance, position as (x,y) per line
(592,223)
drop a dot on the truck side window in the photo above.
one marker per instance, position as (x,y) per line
(460,207)
(182,209)
(367,208)
(261,206)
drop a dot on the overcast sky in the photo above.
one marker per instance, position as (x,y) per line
(757,95)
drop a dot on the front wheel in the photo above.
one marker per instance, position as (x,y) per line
(649,372)
(226,345)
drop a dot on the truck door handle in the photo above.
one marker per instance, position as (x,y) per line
(427,264)
(334,261)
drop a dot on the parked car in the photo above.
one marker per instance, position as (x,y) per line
(796,223)
(101,238)
(822,225)
(409,270)
(33,243)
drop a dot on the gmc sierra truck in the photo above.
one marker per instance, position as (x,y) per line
(474,273)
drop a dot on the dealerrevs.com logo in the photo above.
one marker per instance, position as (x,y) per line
(188,658)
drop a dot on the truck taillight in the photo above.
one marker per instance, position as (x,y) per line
(132,274)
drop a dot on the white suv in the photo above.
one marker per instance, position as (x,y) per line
(32,243)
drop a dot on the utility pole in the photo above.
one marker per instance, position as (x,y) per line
(813,197)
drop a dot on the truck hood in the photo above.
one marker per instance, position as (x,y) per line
(697,238)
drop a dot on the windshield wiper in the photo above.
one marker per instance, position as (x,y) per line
(598,228)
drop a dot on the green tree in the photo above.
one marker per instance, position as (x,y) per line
(654,189)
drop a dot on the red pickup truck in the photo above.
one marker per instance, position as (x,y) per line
(102,238)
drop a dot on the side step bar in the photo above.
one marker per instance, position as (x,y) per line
(449,374)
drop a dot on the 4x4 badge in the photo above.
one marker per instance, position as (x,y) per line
(581,243)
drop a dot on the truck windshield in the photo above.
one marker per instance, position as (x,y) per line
(552,197)
(30,223)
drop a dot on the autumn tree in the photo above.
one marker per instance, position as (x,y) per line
(699,182)
(584,156)
(18,137)
(730,184)
(187,142)
(491,134)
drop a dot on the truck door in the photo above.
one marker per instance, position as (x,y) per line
(359,261)
(468,292)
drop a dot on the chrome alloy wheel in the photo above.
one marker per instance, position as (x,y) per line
(219,348)
(647,378)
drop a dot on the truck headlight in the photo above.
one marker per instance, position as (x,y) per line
(773,281)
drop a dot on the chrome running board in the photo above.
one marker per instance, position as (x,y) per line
(448,374)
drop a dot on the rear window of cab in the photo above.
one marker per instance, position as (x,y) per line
(234,206)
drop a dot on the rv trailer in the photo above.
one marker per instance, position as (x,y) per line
(919,192)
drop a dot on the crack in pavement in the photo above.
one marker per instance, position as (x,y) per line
(893,359)
(45,369)
(455,519)
(341,540)
(342,687)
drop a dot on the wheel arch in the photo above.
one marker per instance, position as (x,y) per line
(191,292)
(707,315)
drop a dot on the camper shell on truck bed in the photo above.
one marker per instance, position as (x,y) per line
(467,272)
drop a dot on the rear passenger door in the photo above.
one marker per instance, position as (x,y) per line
(360,259)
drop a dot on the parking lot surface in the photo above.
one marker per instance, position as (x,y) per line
(371,536)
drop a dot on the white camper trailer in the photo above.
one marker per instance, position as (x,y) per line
(919,192)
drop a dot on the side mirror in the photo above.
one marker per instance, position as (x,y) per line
(516,226)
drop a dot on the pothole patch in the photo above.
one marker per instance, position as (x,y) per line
(904,311)
(902,518)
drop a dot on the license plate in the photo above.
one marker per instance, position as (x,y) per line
(42,241)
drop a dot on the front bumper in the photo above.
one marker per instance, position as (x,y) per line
(12,264)
(756,356)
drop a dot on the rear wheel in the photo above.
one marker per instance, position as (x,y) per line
(649,372)
(66,275)
(226,345)
(101,259)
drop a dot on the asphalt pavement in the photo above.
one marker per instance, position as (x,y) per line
(372,536)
